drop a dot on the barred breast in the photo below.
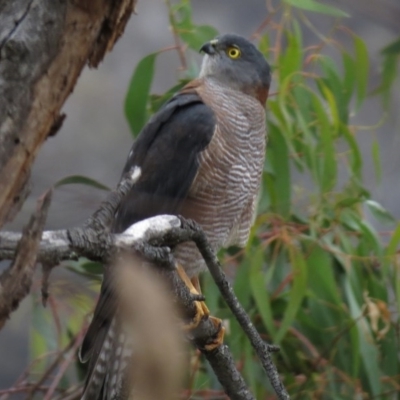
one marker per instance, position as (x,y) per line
(224,194)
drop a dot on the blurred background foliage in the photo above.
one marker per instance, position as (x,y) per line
(317,277)
(320,274)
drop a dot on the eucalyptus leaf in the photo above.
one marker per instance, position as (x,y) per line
(81,180)
(312,5)
(379,212)
(138,94)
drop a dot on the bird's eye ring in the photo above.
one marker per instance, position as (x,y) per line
(234,52)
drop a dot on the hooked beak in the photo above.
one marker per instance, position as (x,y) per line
(209,47)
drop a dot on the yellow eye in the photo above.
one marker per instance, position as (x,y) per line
(234,52)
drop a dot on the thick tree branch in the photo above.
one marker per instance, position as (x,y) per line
(44,46)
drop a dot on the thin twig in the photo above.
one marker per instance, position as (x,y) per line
(178,45)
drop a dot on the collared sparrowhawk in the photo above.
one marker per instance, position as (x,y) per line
(200,156)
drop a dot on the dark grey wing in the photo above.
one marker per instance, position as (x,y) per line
(167,153)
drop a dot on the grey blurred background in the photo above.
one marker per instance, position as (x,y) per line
(95,138)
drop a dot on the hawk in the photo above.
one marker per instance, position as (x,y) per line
(200,156)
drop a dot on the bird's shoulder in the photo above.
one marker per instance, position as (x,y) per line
(184,123)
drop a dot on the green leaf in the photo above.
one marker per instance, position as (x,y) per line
(82,180)
(362,67)
(86,268)
(356,158)
(332,89)
(328,95)
(389,349)
(368,351)
(394,242)
(349,78)
(138,93)
(326,156)
(278,155)
(371,240)
(392,48)
(389,75)
(380,213)
(242,286)
(258,283)
(320,274)
(290,61)
(312,5)
(297,291)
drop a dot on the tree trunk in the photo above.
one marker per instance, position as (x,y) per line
(44,46)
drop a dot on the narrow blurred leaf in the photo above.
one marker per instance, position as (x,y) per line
(389,75)
(356,158)
(392,48)
(334,92)
(312,5)
(368,350)
(389,349)
(82,180)
(241,285)
(210,292)
(320,274)
(380,213)
(259,290)
(394,242)
(371,240)
(297,291)
(349,78)
(279,157)
(290,60)
(332,106)
(86,268)
(326,150)
(138,93)
(390,259)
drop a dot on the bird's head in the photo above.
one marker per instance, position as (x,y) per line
(234,61)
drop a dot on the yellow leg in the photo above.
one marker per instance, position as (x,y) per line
(202,311)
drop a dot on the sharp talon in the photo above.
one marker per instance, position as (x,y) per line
(218,339)
(202,311)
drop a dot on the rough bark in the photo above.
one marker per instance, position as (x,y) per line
(44,45)
(15,282)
